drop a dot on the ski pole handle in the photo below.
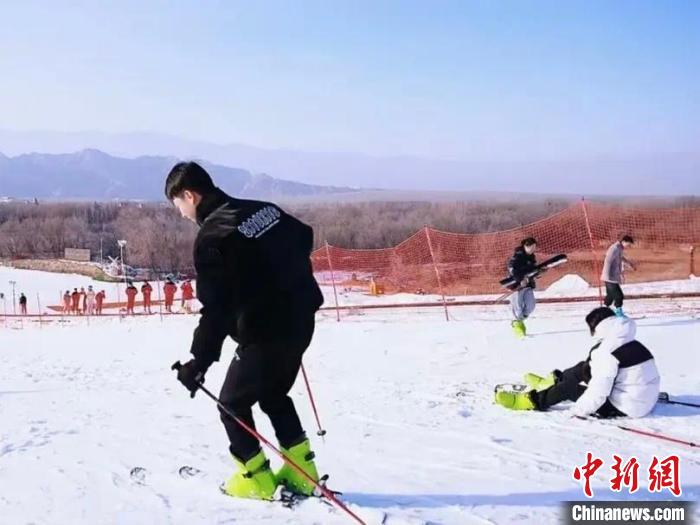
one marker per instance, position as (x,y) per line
(199,378)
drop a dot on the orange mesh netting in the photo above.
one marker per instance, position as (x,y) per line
(437,262)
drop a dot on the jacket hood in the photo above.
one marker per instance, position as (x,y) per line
(620,329)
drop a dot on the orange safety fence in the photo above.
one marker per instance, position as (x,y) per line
(465,269)
(453,264)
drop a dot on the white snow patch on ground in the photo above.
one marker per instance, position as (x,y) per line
(569,285)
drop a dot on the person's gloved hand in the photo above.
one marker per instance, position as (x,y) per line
(191,375)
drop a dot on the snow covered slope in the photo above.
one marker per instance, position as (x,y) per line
(405,396)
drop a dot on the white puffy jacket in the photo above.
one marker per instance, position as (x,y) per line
(622,370)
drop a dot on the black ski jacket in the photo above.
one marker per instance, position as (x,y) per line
(520,264)
(254,275)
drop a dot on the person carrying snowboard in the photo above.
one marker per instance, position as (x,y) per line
(618,378)
(522,301)
(613,268)
(256,285)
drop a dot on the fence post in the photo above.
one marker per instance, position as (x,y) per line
(119,309)
(38,302)
(437,272)
(596,265)
(692,260)
(160,300)
(335,293)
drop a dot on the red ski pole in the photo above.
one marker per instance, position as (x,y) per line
(646,433)
(320,432)
(326,493)
(658,436)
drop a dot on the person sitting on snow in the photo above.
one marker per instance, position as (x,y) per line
(619,377)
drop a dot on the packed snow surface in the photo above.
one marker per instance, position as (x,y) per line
(405,396)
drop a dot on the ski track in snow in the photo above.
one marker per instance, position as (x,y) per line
(405,396)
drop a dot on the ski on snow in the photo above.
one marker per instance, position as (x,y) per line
(288,499)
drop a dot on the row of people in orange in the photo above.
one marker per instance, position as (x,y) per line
(131,292)
(169,289)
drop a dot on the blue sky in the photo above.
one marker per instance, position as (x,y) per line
(469,79)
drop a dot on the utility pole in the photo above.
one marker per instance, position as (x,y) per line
(14,302)
(122,245)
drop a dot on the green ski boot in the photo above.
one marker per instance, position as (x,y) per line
(519,329)
(253,480)
(288,476)
(539,383)
(515,400)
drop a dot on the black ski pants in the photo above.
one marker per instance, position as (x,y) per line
(568,387)
(613,295)
(264,373)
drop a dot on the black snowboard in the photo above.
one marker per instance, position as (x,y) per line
(511,283)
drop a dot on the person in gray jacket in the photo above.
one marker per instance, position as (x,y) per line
(612,273)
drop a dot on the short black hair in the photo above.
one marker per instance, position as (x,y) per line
(530,241)
(596,316)
(627,238)
(187,176)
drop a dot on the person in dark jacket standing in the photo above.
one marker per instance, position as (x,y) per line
(523,299)
(23,304)
(256,285)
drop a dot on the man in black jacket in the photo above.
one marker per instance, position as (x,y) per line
(523,299)
(256,285)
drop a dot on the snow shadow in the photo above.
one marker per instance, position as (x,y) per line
(672,409)
(516,499)
(559,332)
(17,392)
(678,322)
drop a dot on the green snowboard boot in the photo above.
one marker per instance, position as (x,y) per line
(288,476)
(253,480)
(519,329)
(515,400)
(539,383)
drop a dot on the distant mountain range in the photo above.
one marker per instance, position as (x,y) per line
(652,173)
(95,175)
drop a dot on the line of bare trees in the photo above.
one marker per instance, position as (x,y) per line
(158,238)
